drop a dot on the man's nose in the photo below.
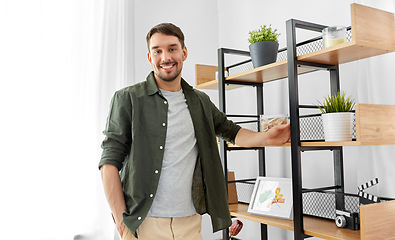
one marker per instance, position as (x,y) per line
(166,56)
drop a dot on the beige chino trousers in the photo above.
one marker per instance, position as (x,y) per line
(154,228)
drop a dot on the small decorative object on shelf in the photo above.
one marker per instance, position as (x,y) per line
(366,197)
(333,35)
(346,219)
(272,197)
(269,121)
(264,46)
(337,117)
(235,228)
(351,220)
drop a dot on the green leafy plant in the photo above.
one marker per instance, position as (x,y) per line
(263,34)
(337,103)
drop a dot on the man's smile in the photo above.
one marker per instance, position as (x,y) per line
(167,66)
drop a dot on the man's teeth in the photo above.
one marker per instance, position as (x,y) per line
(167,67)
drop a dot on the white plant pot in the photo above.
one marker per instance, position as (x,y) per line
(338,126)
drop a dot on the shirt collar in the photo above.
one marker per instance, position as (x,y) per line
(151,84)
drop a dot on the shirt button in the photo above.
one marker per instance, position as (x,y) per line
(139,218)
(161,147)
(163,124)
(151,195)
(156,171)
(165,102)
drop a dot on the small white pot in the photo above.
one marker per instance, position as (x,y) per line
(338,126)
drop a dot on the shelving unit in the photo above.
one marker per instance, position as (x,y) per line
(373,33)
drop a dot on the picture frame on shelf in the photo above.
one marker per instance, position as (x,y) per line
(272,197)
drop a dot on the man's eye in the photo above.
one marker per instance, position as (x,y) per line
(172,49)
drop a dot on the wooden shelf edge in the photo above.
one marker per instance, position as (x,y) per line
(342,53)
(333,144)
(316,227)
(377,220)
(347,143)
(213,85)
(339,54)
(267,73)
(257,73)
(347,52)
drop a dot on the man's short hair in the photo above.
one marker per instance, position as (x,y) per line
(167,29)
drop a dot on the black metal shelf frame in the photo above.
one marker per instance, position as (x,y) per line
(222,106)
(296,148)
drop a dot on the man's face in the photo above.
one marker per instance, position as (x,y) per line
(166,56)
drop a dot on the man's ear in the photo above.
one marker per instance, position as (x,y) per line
(149,57)
(185,53)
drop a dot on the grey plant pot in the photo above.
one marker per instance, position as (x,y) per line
(263,53)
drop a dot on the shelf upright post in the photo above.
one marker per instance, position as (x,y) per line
(222,102)
(296,148)
(337,153)
(222,107)
(261,151)
(260,111)
(334,79)
(295,132)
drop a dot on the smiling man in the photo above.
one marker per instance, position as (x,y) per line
(166,55)
(160,165)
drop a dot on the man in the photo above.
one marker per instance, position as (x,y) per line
(160,135)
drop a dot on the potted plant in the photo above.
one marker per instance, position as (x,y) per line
(337,117)
(263,45)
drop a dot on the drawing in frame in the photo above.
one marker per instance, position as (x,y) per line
(272,197)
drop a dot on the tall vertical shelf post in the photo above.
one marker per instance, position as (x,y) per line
(296,167)
(296,148)
(222,107)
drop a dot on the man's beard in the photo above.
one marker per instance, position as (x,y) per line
(168,78)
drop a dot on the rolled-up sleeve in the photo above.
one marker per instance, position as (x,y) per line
(224,128)
(117,142)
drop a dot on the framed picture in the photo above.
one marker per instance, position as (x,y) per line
(272,197)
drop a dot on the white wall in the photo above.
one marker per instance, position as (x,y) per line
(208,25)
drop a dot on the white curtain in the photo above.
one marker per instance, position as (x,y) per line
(60,63)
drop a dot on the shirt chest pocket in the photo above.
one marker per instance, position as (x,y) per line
(151,118)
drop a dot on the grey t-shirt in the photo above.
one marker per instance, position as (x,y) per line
(174,197)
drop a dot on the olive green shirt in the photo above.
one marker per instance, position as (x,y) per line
(135,142)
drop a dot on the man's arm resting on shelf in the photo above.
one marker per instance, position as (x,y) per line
(277,135)
(114,194)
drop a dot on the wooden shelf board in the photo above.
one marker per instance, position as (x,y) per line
(267,73)
(338,54)
(312,226)
(334,144)
(377,220)
(213,85)
(347,143)
(347,52)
